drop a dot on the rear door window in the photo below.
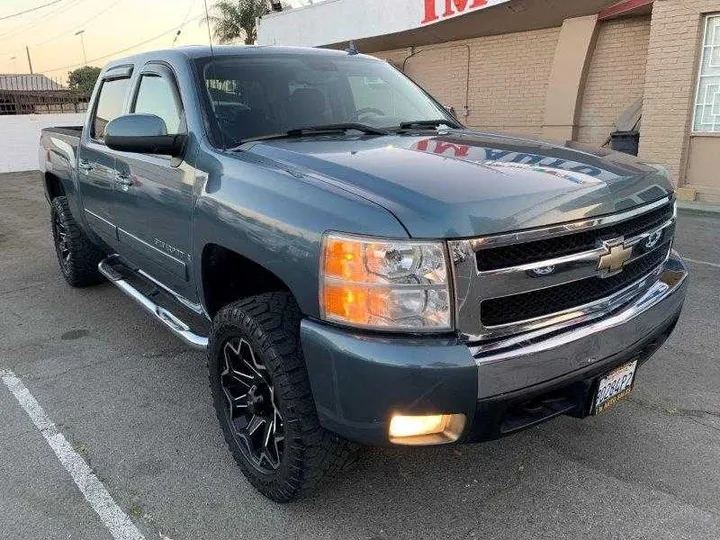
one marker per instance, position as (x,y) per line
(109,106)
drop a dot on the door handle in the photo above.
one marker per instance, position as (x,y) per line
(85,166)
(123,180)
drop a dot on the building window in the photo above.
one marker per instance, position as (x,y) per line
(707,100)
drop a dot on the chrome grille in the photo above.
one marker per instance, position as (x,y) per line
(528,252)
(542,278)
(518,307)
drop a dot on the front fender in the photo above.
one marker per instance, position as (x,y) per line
(277,219)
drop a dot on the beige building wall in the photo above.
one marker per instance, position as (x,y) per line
(655,58)
(673,56)
(616,76)
(567,78)
(702,176)
(509,77)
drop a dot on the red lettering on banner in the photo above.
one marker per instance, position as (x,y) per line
(459,150)
(430,13)
(423,145)
(459,7)
(441,147)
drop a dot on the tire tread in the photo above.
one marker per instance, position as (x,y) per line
(81,270)
(273,321)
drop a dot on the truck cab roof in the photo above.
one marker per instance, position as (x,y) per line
(192,52)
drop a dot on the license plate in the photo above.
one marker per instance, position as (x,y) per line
(614,386)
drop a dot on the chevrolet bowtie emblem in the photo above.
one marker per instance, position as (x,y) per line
(616,257)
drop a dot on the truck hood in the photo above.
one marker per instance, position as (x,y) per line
(463,184)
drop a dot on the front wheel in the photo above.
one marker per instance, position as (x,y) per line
(262,398)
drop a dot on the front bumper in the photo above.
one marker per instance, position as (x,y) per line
(359,380)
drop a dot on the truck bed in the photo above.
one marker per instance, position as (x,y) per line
(73,131)
(58,151)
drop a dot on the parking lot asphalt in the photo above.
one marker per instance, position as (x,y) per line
(135,404)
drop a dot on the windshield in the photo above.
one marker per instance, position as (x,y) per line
(253,96)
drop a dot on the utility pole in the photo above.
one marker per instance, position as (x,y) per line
(82,41)
(27,49)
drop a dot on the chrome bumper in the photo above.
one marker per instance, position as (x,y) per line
(538,359)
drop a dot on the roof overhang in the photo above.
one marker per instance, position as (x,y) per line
(627,8)
(377,25)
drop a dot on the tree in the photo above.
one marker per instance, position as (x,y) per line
(236,20)
(83,79)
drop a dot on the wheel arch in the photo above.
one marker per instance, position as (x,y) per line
(53,186)
(227,276)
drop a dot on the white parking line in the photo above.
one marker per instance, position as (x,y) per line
(119,524)
(714,265)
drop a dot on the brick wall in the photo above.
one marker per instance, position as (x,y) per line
(675,39)
(508,77)
(616,77)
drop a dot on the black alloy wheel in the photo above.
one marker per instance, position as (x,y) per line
(252,410)
(77,256)
(263,399)
(62,245)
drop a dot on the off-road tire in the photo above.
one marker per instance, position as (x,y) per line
(270,323)
(78,256)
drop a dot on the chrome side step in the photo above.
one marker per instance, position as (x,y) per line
(173,323)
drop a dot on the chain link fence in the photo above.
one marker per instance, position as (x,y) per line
(38,94)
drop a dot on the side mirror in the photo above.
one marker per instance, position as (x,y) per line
(143,134)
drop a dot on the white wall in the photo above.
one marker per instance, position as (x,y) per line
(336,21)
(20,134)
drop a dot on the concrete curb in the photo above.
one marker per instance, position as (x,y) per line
(698,209)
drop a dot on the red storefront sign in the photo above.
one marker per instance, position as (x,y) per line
(443,9)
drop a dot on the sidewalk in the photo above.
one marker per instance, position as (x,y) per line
(698,209)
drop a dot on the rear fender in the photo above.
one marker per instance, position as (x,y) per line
(58,165)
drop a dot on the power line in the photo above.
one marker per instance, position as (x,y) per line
(34,22)
(17,14)
(185,20)
(69,31)
(13,52)
(58,36)
(174,29)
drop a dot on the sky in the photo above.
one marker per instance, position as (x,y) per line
(113,29)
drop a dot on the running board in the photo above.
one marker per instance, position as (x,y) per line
(173,323)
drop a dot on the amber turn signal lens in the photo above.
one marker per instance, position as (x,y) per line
(344,260)
(347,302)
(386,285)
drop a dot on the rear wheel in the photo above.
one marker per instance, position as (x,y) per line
(262,398)
(77,255)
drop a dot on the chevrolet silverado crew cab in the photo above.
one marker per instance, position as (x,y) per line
(360,267)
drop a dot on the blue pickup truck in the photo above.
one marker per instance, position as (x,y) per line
(360,267)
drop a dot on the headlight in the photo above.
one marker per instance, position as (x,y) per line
(385,285)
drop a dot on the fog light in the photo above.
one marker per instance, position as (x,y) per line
(426,429)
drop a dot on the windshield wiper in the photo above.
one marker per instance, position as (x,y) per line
(330,128)
(429,124)
(318,130)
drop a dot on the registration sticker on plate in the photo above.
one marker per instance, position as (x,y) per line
(614,386)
